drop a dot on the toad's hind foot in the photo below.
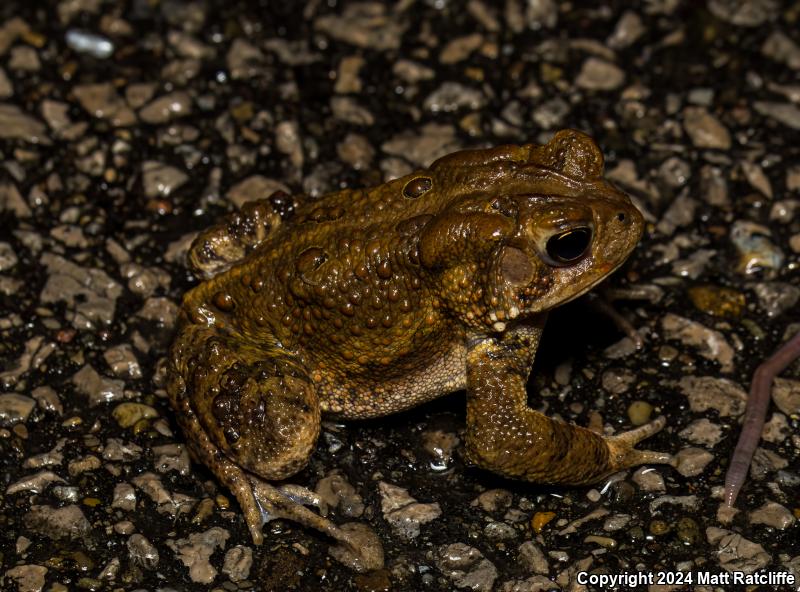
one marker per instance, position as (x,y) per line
(358,547)
(621,449)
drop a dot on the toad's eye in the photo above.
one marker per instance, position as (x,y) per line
(569,247)
(416,187)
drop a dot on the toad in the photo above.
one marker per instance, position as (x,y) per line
(370,301)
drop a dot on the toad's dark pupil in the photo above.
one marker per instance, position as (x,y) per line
(417,187)
(569,246)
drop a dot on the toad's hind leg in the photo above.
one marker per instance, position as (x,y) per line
(251,413)
(508,437)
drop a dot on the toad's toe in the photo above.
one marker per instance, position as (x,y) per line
(623,453)
(359,548)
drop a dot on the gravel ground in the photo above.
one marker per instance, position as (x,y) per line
(125,127)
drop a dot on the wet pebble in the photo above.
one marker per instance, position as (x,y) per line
(640,412)
(161,180)
(102,101)
(775,298)
(67,522)
(616,522)
(784,113)
(288,140)
(659,527)
(28,577)
(617,380)
(142,552)
(124,497)
(167,108)
(688,531)
(364,24)
(744,14)
(356,151)
(98,389)
(411,71)
(692,461)
(774,515)
(440,446)
(460,48)
(705,130)
(117,450)
(675,172)
(784,210)
(499,531)
(736,553)
(576,524)
(404,513)
(551,113)
(347,75)
(83,464)
(687,502)
(628,30)
(6,87)
(90,293)
(335,491)
(710,344)
(24,59)
(599,74)
(781,48)
(122,361)
(8,258)
(532,558)
(540,520)
(603,541)
(195,552)
(766,462)
(15,408)
(17,125)
(171,457)
(703,432)
(786,395)
(466,567)
(162,311)
(453,96)
(237,563)
(714,187)
(777,429)
(756,177)
(36,483)
(709,392)
(91,44)
(756,251)
(717,301)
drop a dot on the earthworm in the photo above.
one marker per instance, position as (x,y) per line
(755,414)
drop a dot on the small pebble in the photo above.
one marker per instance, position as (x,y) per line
(640,412)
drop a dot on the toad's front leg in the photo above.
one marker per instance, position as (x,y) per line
(506,436)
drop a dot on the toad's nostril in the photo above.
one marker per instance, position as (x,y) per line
(621,217)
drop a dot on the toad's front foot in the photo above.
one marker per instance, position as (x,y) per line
(623,455)
(506,436)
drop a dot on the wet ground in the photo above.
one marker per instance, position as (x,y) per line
(125,127)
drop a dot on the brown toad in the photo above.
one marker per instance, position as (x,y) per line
(370,301)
